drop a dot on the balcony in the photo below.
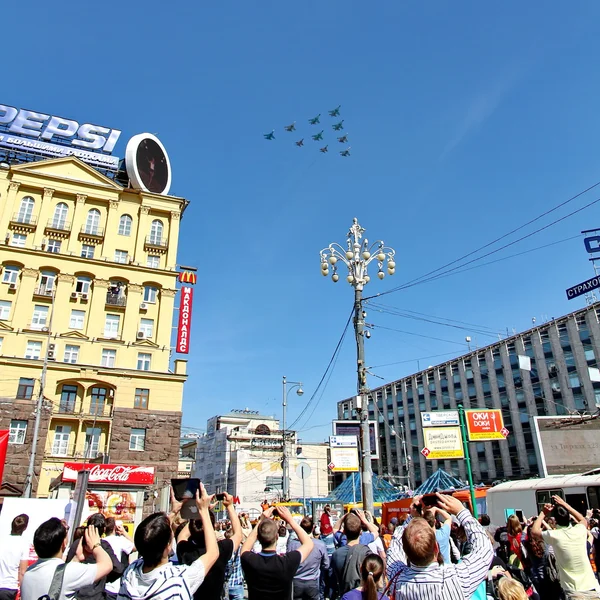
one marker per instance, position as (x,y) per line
(155,243)
(44,291)
(23,222)
(100,410)
(58,227)
(60,449)
(117,300)
(94,234)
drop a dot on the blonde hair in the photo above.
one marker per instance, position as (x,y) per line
(510,589)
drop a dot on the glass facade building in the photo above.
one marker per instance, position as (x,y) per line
(561,352)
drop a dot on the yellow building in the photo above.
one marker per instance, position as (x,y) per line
(87,285)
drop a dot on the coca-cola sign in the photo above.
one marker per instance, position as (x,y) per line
(114,474)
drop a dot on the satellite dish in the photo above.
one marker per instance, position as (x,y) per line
(147,164)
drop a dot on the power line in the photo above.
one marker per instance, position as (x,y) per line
(429,337)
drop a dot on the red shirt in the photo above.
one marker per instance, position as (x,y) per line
(326,528)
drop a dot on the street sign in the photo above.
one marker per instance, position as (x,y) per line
(344,460)
(303,470)
(505,432)
(583,288)
(331,466)
(484,425)
(440,418)
(343,441)
(442,443)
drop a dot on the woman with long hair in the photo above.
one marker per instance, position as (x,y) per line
(514,529)
(371,580)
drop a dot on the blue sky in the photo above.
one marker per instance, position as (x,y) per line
(465,121)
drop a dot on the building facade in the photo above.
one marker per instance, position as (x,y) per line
(87,291)
(242,453)
(561,352)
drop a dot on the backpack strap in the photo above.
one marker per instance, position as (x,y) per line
(57,583)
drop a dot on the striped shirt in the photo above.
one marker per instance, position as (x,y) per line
(448,582)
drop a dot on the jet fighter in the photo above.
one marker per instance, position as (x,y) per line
(270,136)
(318,136)
(315,120)
(323,149)
(335,112)
(300,143)
(291,127)
(343,139)
(338,126)
(346,152)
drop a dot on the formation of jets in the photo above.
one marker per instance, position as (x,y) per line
(335,112)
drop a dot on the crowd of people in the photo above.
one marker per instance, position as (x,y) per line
(438,552)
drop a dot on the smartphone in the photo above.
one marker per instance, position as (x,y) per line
(119,523)
(429,500)
(220,497)
(185,489)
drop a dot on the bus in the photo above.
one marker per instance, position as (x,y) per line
(527,497)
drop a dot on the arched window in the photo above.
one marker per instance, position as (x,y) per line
(125,225)
(26,210)
(156,232)
(93,221)
(60,216)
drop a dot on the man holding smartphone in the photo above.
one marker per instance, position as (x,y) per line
(191,544)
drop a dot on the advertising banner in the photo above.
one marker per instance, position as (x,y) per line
(342,428)
(111,474)
(343,441)
(440,418)
(442,443)
(185,320)
(485,425)
(3,449)
(343,460)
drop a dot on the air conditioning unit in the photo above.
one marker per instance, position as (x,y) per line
(51,353)
(111,393)
(74,295)
(143,306)
(46,330)
(84,296)
(555,387)
(12,286)
(51,347)
(140,335)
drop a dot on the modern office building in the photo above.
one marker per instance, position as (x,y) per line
(242,453)
(87,289)
(561,351)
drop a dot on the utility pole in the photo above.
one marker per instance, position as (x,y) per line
(38,409)
(465,439)
(357,256)
(406,461)
(284,460)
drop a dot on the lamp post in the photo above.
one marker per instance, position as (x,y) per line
(284,462)
(357,257)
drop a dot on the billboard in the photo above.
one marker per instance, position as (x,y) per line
(567,445)
(442,443)
(343,460)
(185,320)
(111,474)
(485,425)
(147,164)
(353,428)
(440,418)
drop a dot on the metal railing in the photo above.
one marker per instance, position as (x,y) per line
(98,410)
(92,231)
(58,225)
(156,242)
(24,219)
(115,300)
(43,290)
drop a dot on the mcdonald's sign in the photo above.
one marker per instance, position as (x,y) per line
(187,277)
(185,320)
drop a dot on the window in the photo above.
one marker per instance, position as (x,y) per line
(111,326)
(25,210)
(141,398)
(25,389)
(82,285)
(150,294)
(1,341)
(97,400)
(147,327)
(46,286)
(59,219)
(18,240)
(92,222)
(77,319)
(87,251)
(40,316)
(54,246)
(143,361)
(125,225)
(92,442)
(17,432)
(11,274)
(60,445)
(137,439)
(153,262)
(121,256)
(68,399)
(71,354)
(156,232)
(33,350)
(108,357)
(5,309)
